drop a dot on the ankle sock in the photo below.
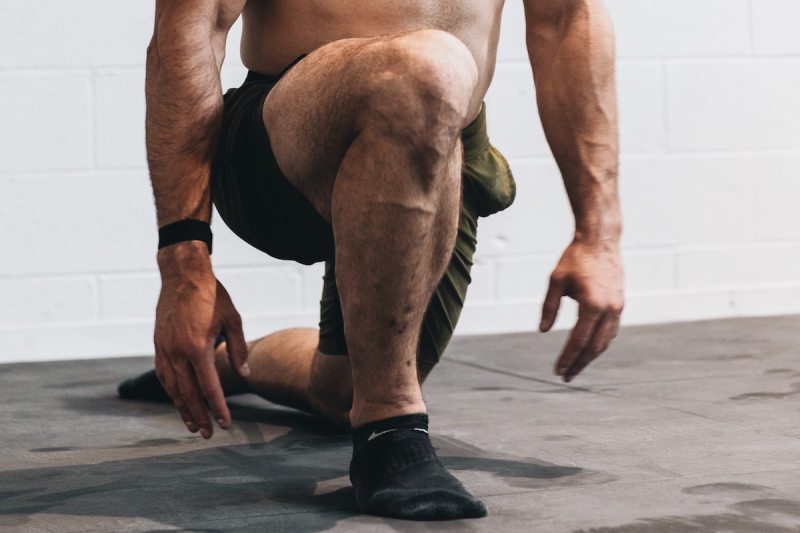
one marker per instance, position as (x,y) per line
(396,473)
(147,387)
(143,387)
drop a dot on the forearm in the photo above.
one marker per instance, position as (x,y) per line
(184,107)
(572,55)
(184,112)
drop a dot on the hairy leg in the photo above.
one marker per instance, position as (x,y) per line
(392,248)
(388,177)
(368,130)
(287,368)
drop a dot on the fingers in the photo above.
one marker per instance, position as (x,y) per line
(190,313)
(602,339)
(606,331)
(211,389)
(552,302)
(189,391)
(190,388)
(590,272)
(578,340)
(236,345)
(166,375)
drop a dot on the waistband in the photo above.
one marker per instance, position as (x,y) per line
(255,77)
(474,137)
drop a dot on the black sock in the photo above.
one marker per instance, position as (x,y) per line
(147,387)
(143,387)
(396,473)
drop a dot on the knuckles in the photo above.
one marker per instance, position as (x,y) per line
(179,349)
(600,304)
(558,278)
(184,348)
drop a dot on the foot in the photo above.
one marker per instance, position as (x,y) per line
(147,386)
(396,473)
(143,387)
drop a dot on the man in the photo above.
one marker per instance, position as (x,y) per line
(367,150)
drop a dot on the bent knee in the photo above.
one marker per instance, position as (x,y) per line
(439,61)
(420,81)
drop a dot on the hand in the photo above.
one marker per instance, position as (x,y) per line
(591,274)
(193,309)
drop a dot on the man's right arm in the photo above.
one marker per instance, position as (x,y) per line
(184,102)
(184,112)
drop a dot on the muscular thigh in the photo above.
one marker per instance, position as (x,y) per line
(310,115)
(314,112)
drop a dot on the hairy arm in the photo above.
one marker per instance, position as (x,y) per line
(184,112)
(571,47)
(184,103)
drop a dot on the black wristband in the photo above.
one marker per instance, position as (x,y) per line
(185,230)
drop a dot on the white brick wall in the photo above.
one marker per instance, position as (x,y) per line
(711,154)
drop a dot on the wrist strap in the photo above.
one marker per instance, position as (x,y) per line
(185,230)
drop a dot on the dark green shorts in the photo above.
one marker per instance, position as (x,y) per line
(262,207)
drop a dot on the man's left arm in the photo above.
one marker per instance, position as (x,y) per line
(571,48)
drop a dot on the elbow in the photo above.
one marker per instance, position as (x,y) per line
(184,49)
(545,21)
(152,61)
(549,22)
(152,51)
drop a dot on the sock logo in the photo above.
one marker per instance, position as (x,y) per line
(376,434)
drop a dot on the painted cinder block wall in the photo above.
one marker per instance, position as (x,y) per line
(710,128)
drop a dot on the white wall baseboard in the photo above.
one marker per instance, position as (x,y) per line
(118,339)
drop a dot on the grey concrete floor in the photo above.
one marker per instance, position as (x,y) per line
(684,427)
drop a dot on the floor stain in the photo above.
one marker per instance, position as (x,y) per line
(68,385)
(749,516)
(55,449)
(768,395)
(713,489)
(147,443)
(769,506)
(726,357)
(724,522)
(558,438)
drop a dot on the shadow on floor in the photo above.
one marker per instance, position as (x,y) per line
(295,482)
